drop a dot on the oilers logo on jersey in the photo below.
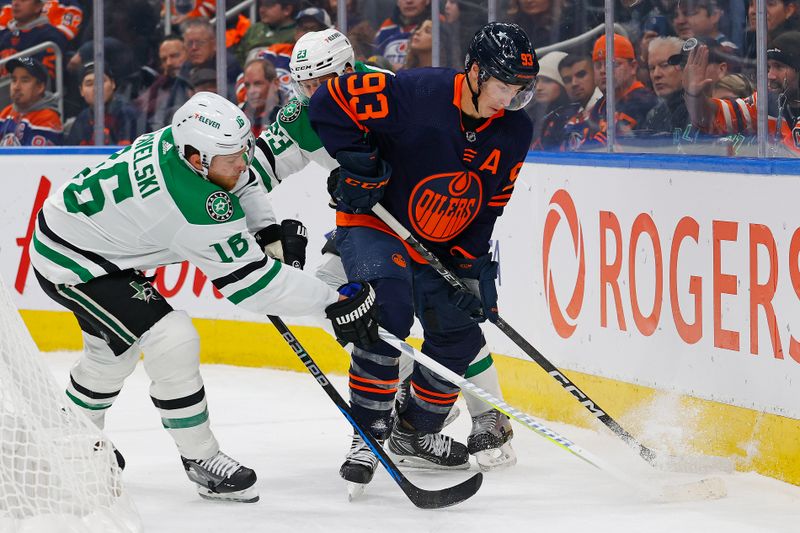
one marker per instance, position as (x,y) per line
(442,205)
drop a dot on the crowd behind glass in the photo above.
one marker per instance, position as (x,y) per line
(684,70)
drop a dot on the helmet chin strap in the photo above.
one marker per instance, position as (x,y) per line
(475,95)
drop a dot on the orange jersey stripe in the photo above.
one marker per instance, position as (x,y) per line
(375,381)
(369,221)
(417,388)
(372,389)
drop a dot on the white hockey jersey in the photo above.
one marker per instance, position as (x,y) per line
(288,145)
(144,207)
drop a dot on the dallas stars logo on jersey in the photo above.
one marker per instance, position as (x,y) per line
(219,206)
(144,292)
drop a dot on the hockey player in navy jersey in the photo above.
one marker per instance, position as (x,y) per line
(441,151)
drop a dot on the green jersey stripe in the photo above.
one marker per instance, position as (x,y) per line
(188,422)
(265,280)
(480,366)
(92,407)
(60,259)
(263,173)
(105,317)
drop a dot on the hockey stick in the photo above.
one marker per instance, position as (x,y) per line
(709,488)
(424,499)
(646,453)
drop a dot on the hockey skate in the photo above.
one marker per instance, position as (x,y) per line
(358,468)
(427,450)
(489,441)
(222,478)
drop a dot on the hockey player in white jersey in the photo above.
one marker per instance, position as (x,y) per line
(180,193)
(287,147)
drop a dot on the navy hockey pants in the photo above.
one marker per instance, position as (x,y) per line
(404,288)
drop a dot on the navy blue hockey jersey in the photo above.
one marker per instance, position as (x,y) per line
(448,184)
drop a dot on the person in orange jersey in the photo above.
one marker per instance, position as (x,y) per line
(32,118)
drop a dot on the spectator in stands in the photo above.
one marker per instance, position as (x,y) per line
(544,21)
(782,16)
(633,99)
(392,38)
(550,93)
(276,25)
(354,15)
(733,86)
(571,122)
(186,9)
(462,18)
(262,102)
(201,49)
(28,28)
(666,71)
(420,47)
(577,74)
(702,18)
(723,117)
(309,19)
(120,125)
(680,22)
(65,15)
(203,79)
(655,25)
(32,118)
(169,91)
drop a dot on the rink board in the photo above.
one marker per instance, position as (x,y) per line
(672,295)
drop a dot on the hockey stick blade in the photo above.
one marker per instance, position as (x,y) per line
(704,489)
(424,499)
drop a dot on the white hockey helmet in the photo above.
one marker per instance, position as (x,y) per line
(213,126)
(319,53)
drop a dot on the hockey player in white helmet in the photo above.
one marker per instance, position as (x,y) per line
(285,148)
(179,193)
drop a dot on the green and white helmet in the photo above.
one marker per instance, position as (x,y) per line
(213,126)
(319,53)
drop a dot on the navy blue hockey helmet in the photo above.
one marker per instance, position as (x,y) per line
(503,50)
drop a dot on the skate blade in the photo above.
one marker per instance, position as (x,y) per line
(355,490)
(712,488)
(243,496)
(496,458)
(408,461)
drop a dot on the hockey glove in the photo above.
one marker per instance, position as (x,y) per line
(333,183)
(362,179)
(479,276)
(356,318)
(285,242)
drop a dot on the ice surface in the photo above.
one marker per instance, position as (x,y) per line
(284,426)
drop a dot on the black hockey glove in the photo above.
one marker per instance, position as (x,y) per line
(333,183)
(285,242)
(362,180)
(479,276)
(356,318)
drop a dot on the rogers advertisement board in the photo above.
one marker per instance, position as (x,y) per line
(683,281)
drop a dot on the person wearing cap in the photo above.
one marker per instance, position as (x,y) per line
(120,124)
(28,28)
(666,73)
(276,25)
(262,102)
(723,116)
(203,79)
(32,118)
(632,99)
(550,93)
(391,40)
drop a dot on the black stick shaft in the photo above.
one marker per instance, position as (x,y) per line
(425,499)
(646,453)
